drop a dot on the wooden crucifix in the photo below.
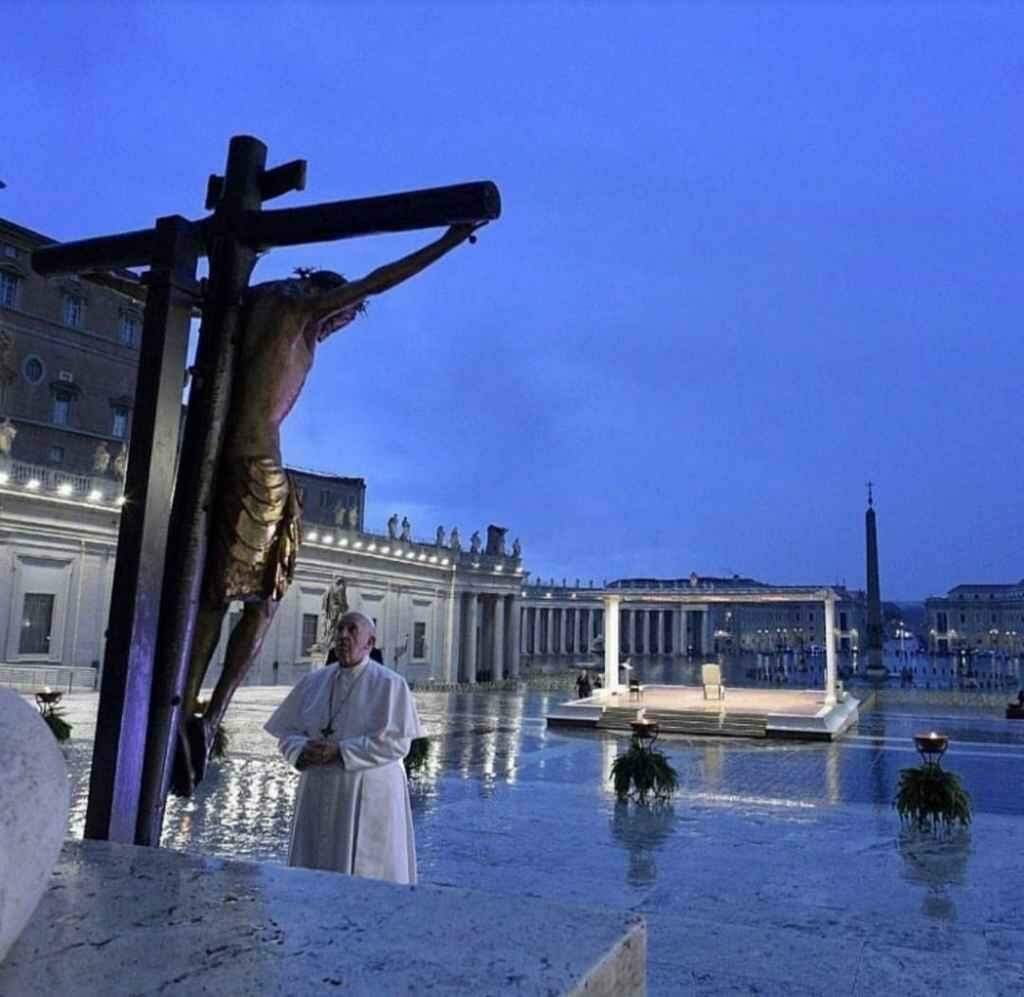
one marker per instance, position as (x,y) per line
(157,599)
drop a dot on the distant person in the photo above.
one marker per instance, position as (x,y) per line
(347,727)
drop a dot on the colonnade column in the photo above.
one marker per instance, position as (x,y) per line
(472,620)
(830,648)
(611,642)
(627,626)
(563,629)
(515,621)
(679,630)
(451,664)
(655,630)
(588,630)
(536,630)
(498,639)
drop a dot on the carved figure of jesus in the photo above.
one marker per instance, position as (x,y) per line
(254,528)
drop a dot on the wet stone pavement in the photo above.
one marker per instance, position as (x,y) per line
(780,867)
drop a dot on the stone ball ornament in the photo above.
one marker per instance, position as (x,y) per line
(35,796)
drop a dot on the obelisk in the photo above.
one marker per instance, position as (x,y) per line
(875,665)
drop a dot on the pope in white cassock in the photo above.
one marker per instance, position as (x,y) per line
(346,728)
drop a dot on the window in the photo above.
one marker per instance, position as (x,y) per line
(36,623)
(842,622)
(419,640)
(11,252)
(57,455)
(8,289)
(129,329)
(74,311)
(326,498)
(33,369)
(310,622)
(941,623)
(119,428)
(61,409)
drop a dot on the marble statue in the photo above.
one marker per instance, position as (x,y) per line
(100,459)
(474,542)
(255,517)
(7,433)
(121,463)
(439,537)
(517,548)
(455,542)
(333,607)
(393,527)
(406,529)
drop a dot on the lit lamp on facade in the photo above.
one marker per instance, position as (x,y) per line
(931,746)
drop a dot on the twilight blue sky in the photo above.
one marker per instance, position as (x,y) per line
(750,256)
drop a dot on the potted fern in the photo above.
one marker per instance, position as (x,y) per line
(643,774)
(52,713)
(419,752)
(928,797)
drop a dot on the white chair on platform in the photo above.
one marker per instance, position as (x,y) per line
(711,679)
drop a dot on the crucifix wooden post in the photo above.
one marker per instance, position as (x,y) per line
(146,665)
(121,722)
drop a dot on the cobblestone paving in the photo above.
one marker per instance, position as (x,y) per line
(780,867)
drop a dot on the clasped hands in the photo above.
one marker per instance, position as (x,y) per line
(318,752)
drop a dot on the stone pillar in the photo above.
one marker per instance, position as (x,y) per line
(515,625)
(536,631)
(588,630)
(611,643)
(627,628)
(498,634)
(830,648)
(472,621)
(563,630)
(678,618)
(655,631)
(451,665)
(706,641)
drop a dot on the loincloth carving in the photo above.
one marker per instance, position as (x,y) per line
(254,534)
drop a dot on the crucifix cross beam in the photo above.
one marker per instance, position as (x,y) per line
(335,220)
(155,597)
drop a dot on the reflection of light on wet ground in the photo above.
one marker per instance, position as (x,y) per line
(832,785)
(764,840)
(752,801)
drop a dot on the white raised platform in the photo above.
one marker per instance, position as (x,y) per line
(118,919)
(680,709)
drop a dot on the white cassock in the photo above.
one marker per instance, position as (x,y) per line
(354,816)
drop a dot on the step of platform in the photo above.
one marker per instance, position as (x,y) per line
(710,723)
